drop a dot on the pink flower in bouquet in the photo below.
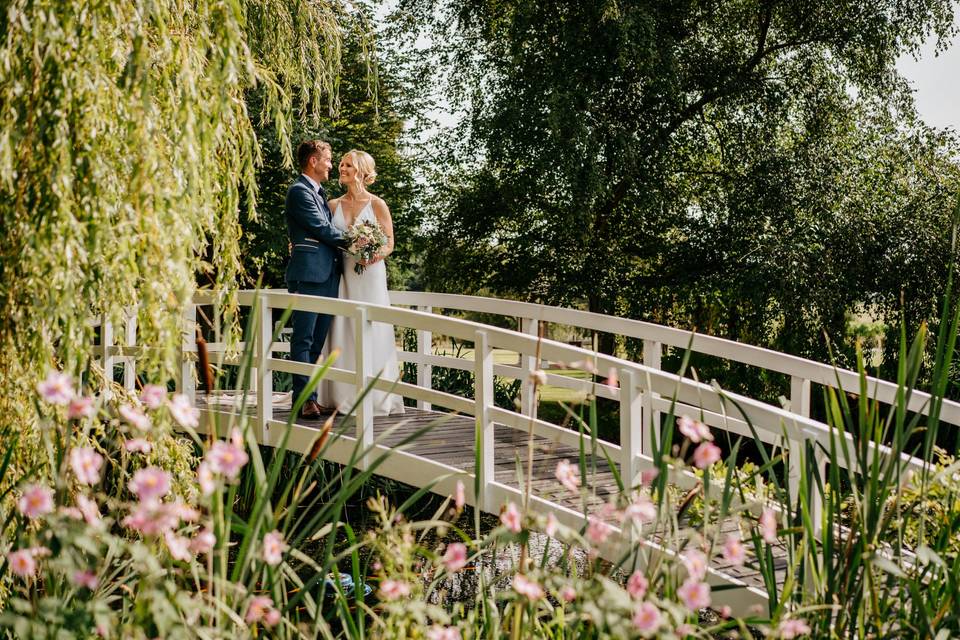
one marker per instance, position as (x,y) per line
(273,548)
(138,445)
(696,564)
(436,632)
(226,458)
(695,594)
(693,429)
(22,562)
(455,557)
(733,550)
(706,454)
(511,518)
(526,587)
(86,578)
(80,407)
(36,501)
(768,526)
(203,542)
(153,395)
(394,589)
(794,628)
(149,484)
(646,617)
(568,475)
(86,464)
(258,608)
(186,415)
(137,418)
(637,585)
(57,388)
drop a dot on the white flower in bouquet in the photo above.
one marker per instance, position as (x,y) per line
(367,239)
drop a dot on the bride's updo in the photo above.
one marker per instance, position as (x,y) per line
(364,164)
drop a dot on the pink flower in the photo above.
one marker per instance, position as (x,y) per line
(22,562)
(436,632)
(36,501)
(203,542)
(685,630)
(706,454)
(695,594)
(455,557)
(86,578)
(768,526)
(646,618)
(613,378)
(394,589)
(153,395)
(459,496)
(527,587)
(637,585)
(568,594)
(57,388)
(511,518)
(647,477)
(795,628)
(151,483)
(137,418)
(151,518)
(552,525)
(640,511)
(696,564)
(258,608)
(726,611)
(89,510)
(273,548)
(538,377)
(694,429)
(733,551)
(568,475)
(271,618)
(80,407)
(597,530)
(186,415)
(226,458)
(178,546)
(86,464)
(138,445)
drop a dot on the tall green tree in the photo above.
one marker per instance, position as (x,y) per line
(752,168)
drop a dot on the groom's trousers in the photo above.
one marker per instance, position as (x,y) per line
(310,329)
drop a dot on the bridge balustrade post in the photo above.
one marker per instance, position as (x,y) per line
(652,352)
(528,363)
(107,359)
(424,370)
(631,427)
(264,373)
(362,335)
(800,405)
(130,361)
(186,380)
(483,399)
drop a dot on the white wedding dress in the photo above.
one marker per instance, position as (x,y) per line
(369,286)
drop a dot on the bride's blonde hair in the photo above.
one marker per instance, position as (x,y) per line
(364,164)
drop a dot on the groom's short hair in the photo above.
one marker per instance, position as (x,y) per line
(308,149)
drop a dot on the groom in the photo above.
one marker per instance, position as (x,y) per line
(315,261)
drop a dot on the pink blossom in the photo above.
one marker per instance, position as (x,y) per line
(183,511)
(511,518)
(153,395)
(459,496)
(178,546)
(552,525)
(695,594)
(151,483)
(151,518)
(696,564)
(22,562)
(538,377)
(613,378)
(706,454)
(86,578)
(733,551)
(394,589)
(271,618)
(71,512)
(203,542)
(436,632)
(186,415)
(138,445)
(36,501)
(647,477)
(526,587)
(597,530)
(694,429)
(137,418)
(637,585)
(205,478)
(686,629)
(86,464)
(455,557)
(568,475)
(226,458)
(57,388)
(258,608)
(794,628)
(768,526)
(273,548)
(80,407)
(568,594)
(646,617)
(726,611)
(89,509)
(641,510)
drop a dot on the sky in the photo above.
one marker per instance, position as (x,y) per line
(936,82)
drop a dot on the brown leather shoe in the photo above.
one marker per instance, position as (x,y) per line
(311,410)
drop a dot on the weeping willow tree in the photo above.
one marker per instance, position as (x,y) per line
(125,142)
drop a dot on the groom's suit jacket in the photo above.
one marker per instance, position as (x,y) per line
(316,241)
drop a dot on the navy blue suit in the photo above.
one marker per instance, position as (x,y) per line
(314,269)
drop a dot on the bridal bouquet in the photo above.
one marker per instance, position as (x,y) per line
(366,241)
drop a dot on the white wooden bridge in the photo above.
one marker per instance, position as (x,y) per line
(645,393)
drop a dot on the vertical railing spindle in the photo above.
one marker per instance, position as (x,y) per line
(483,397)
(362,332)
(652,351)
(631,427)
(107,359)
(264,374)
(528,363)
(130,361)
(424,370)
(186,381)
(800,405)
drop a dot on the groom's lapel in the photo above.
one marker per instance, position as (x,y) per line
(316,196)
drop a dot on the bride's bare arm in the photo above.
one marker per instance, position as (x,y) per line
(386,223)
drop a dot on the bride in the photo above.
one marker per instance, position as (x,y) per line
(357,172)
